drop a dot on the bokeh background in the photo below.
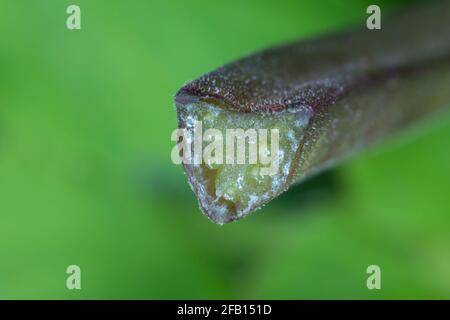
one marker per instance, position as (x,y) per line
(86,176)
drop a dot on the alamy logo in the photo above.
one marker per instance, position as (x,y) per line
(74,20)
(374,280)
(73,281)
(374,20)
(190,148)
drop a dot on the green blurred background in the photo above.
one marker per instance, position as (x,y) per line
(86,176)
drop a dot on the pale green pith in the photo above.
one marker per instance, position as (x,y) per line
(235,189)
